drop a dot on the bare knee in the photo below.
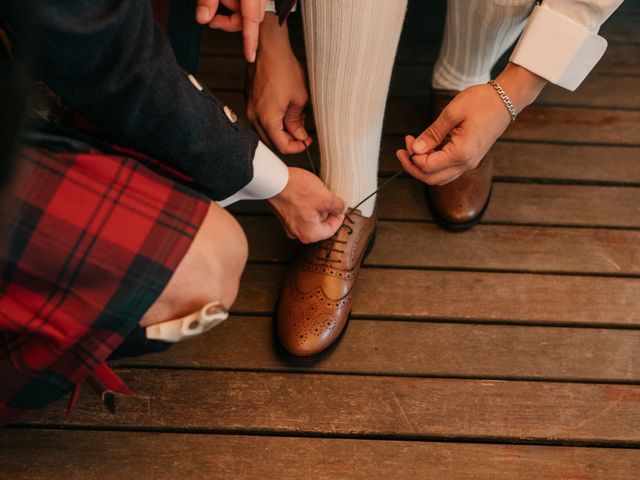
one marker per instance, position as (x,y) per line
(210,270)
(227,261)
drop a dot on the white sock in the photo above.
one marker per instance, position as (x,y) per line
(351,46)
(477,33)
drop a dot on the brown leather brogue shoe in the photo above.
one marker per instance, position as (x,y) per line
(459,205)
(315,303)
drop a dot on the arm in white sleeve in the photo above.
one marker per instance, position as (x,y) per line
(560,41)
(270,176)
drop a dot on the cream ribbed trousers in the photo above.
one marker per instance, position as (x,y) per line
(477,33)
(351,46)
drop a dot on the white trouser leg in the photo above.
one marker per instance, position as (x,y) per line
(477,33)
(351,46)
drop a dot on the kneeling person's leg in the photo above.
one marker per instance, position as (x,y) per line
(210,270)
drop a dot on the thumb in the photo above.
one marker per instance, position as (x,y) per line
(330,226)
(205,10)
(436,133)
(337,206)
(294,122)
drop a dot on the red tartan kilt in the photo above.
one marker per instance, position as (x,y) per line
(90,242)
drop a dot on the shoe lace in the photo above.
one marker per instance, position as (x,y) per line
(331,245)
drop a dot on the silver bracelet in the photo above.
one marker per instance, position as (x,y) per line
(505,99)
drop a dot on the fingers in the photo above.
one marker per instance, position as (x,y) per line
(441,177)
(228,23)
(329,226)
(336,206)
(247,16)
(294,122)
(275,124)
(252,15)
(410,167)
(283,140)
(441,166)
(437,132)
(205,10)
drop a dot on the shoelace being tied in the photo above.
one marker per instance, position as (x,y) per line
(328,245)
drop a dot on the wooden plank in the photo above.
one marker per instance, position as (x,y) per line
(36,454)
(291,403)
(512,203)
(528,203)
(486,247)
(622,28)
(467,296)
(424,349)
(566,162)
(598,90)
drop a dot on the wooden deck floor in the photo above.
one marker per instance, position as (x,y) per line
(508,352)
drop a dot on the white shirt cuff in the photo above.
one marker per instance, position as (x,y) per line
(270,176)
(558,48)
(271,6)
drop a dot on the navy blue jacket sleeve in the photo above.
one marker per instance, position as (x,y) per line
(110,60)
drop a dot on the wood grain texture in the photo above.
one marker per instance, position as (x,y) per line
(429,349)
(529,204)
(486,247)
(33,455)
(295,403)
(467,296)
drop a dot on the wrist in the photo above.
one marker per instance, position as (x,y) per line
(521,85)
(283,195)
(274,38)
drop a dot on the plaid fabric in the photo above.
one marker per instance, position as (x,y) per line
(91,242)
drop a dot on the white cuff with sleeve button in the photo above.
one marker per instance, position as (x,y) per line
(557,48)
(270,176)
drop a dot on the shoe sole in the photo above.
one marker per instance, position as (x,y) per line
(452,226)
(289,357)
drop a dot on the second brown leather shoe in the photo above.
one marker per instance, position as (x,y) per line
(315,303)
(460,204)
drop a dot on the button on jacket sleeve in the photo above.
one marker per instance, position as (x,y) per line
(113,63)
(560,41)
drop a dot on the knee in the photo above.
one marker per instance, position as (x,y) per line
(222,252)
(210,270)
(230,260)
